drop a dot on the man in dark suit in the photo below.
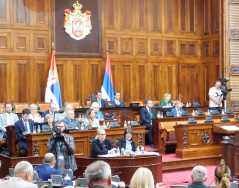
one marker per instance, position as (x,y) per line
(199,176)
(99,100)
(117,101)
(177,111)
(23,127)
(146,114)
(47,169)
(52,110)
(70,120)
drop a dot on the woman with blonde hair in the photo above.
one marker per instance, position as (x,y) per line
(222,175)
(35,116)
(142,178)
(68,107)
(92,121)
(101,145)
(166,101)
(96,108)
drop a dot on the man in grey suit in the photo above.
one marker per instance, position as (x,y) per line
(70,119)
(7,118)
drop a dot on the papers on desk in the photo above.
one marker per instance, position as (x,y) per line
(230,128)
(140,154)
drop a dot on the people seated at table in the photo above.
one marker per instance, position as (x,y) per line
(146,114)
(47,169)
(61,116)
(68,107)
(23,176)
(166,102)
(96,108)
(117,101)
(177,111)
(127,142)
(98,175)
(143,178)
(35,116)
(222,175)
(63,147)
(49,121)
(90,120)
(99,100)
(101,145)
(199,176)
(23,127)
(6,119)
(52,110)
(215,97)
(70,120)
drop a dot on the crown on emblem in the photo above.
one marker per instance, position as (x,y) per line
(77,6)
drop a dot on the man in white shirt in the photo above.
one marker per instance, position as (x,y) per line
(117,101)
(23,175)
(215,97)
(177,111)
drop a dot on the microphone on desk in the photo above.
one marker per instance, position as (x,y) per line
(117,173)
(132,119)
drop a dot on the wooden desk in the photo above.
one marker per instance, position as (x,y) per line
(37,143)
(161,142)
(126,165)
(196,140)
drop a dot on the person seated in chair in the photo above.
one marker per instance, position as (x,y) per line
(222,175)
(70,120)
(35,116)
(47,169)
(177,111)
(91,121)
(52,110)
(199,176)
(101,145)
(127,142)
(117,101)
(99,100)
(96,108)
(146,114)
(23,127)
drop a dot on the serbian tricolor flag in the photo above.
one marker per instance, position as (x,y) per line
(53,89)
(107,86)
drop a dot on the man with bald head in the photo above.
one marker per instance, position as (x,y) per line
(52,110)
(70,120)
(47,169)
(23,175)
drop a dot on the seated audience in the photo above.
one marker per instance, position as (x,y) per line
(96,108)
(49,120)
(47,169)
(199,176)
(127,142)
(143,178)
(98,175)
(23,176)
(99,100)
(70,120)
(177,111)
(68,107)
(146,114)
(6,119)
(34,115)
(166,101)
(222,175)
(100,145)
(91,121)
(52,110)
(117,101)
(23,127)
(63,147)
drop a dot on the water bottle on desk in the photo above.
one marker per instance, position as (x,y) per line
(118,151)
(39,129)
(104,125)
(108,125)
(122,151)
(128,123)
(137,151)
(208,112)
(142,149)
(193,113)
(125,124)
(158,114)
(82,126)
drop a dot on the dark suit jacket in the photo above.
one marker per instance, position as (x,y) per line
(20,128)
(197,184)
(174,112)
(97,149)
(122,144)
(45,171)
(114,103)
(103,102)
(48,112)
(145,117)
(74,122)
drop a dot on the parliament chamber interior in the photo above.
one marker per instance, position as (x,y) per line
(165,72)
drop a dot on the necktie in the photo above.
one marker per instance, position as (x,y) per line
(26,126)
(150,113)
(99,102)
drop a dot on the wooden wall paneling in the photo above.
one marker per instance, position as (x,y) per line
(21,12)
(126,77)
(61,69)
(41,12)
(191,15)
(156,47)
(126,14)
(4,74)
(5,41)
(215,16)
(22,80)
(126,46)
(155,15)
(141,15)
(207,17)
(79,79)
(115,69)
(171,13)
(4,12)
(170,48)
(183,15)
(110,14)
(198,17)
(206,81)
(96,72)
(22,42)
(113,44)
(141,46)
(40,43)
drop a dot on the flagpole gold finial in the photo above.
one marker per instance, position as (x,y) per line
(107,48)
(53,45)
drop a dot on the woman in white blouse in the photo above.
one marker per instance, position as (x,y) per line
(127,142)
(35,116)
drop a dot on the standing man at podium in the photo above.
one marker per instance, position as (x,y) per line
(146,114)
(216,97)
